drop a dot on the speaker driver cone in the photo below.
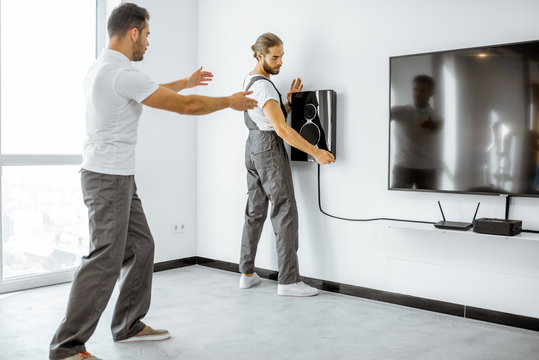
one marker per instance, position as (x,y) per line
(309,111)
(310,132)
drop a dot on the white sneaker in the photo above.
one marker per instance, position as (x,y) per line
(297,289)
(247,282)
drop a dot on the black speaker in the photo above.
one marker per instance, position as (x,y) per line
(314,118)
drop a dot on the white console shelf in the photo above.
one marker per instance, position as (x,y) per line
(428,227)
(469,251)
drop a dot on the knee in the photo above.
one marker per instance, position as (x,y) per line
(143,244)
(285,204)
(256,216)
(149,246)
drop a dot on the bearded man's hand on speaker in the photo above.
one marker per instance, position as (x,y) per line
(296,86)
(323,157)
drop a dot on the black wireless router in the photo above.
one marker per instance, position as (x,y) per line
(455,225)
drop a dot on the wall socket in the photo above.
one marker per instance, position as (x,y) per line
(177,228)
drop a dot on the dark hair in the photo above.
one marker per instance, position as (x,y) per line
(264,42)
(425,79)
(126,17)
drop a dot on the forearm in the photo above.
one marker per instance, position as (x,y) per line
(177,85)
(294,139)
(202,105)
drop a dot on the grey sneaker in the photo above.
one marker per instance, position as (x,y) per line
(82,356)
(148,334)
(247,282)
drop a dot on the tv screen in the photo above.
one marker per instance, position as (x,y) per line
(466,120)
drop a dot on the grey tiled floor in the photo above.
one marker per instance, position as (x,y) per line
(209,317)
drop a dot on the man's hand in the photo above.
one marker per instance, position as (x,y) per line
(239,101)
(323,157)
(296,86)
(199,78)
(429,124)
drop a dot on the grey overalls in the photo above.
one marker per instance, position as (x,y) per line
(269,178)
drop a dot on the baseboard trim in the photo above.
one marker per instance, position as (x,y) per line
(174,264)
(469,312)
(502,318)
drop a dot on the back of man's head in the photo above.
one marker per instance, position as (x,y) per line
(264,42)
(125,17)
(425,79)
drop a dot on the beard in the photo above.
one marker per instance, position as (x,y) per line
(269,69)
(139,48)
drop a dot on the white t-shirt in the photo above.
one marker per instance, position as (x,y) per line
(416,147)
(262,92)
(113,90)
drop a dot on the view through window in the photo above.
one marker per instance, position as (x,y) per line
(46,48)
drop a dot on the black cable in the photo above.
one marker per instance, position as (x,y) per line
(393,219)
(361,220)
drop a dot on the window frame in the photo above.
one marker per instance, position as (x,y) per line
(103,8)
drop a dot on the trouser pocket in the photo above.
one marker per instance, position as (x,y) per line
(263,148)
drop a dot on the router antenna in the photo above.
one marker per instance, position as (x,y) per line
(476,209)
(440,205)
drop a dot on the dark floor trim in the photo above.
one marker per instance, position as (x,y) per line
(469,312)
(502,318)
(174,264)
(388,297)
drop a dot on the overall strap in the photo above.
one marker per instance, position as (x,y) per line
(260,77)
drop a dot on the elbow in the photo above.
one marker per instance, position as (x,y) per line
(186,108)
(281,132)
(184,105)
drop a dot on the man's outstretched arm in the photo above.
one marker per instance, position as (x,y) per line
(166,99)
(198,78)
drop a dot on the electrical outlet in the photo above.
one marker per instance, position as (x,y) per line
(177,228)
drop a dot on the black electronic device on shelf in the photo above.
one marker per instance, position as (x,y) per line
(455,225)
(494,226)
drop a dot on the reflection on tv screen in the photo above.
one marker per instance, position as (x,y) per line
(466,120)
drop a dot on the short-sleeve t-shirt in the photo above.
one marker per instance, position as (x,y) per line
(416,147)
(263,91)
(114,90)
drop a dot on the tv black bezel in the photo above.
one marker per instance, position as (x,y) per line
(389,188)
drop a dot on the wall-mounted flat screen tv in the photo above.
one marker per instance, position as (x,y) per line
(466,121)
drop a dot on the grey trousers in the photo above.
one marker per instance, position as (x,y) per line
(269,178)
(121,247)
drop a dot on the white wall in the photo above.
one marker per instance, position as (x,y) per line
(166,145)
(345,45)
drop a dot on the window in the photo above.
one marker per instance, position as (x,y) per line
(44,221)
(46,48)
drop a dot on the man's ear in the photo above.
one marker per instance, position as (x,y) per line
(133,34)
(259,56)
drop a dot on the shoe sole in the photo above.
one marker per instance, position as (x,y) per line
(248,286)
(145,338)
(284,293)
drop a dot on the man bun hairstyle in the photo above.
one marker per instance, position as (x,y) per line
(264,42)
(125,17)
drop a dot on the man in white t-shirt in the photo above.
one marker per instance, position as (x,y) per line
(417,129)
(122,245)
(269,177)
